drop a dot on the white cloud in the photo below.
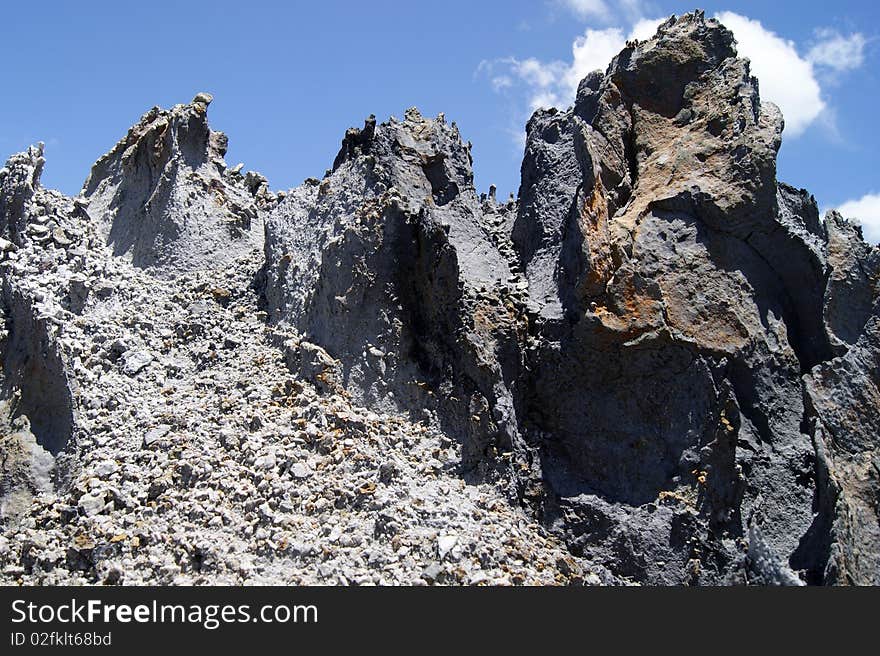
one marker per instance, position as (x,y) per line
(537,73)
(785,78)
(554,83)
(588,8)
(591,51)
(500,82)
(867,210)
(838,52)
(543,79)
(645,28)
(595,49)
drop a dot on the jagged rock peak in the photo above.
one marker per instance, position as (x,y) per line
(659,352)
(164,198)
(181,132)
(693,44)
(433,144)
(19,180)
(663,296)
(385,256)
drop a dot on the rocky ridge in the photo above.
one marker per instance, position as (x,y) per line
(656,365)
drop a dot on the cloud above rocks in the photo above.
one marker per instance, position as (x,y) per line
(554,83)
(786,77)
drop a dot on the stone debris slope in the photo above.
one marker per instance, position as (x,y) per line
(156,434)
(656,365)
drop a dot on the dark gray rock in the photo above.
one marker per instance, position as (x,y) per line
(390,266)
(663,353)
(852,283)
(632,331)
(844,396)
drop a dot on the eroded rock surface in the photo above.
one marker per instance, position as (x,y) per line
(393,266)
(657,365)
(652,301)
(155,428)
(164,197)
(26,467)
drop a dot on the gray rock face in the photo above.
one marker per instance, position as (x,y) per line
(670,371)
(19,180)
(634,336)
(26,468)
(852,282)
(155,429)
(692,290)
(164,198)
(391,266)
(659,355)
(843,396)
(35,372)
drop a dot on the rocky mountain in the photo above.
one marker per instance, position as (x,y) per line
(657,365)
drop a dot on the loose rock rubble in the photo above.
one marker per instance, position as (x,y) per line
(189,452)
(656,365)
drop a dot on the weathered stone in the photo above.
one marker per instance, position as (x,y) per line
(135,361)
(672,295)
(25,467)
(19,180)
(155,434)
(387,255)
(161,197)
(662,354)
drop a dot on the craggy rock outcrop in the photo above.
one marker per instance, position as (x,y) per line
(688,296)
(670,374)
(19,180)
(633,338)
(26,468)
(391,266)
(843,396)
(662,357)
(34,378)
(34,371)
(854,272)
(164,197)
(154,428)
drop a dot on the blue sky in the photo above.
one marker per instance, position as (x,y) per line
(290,77)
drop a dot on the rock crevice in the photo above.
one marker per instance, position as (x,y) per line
(658,355)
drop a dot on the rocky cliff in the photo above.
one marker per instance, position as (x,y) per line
(656,365)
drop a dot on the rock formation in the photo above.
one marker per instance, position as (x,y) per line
(657,365)
(164,198)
